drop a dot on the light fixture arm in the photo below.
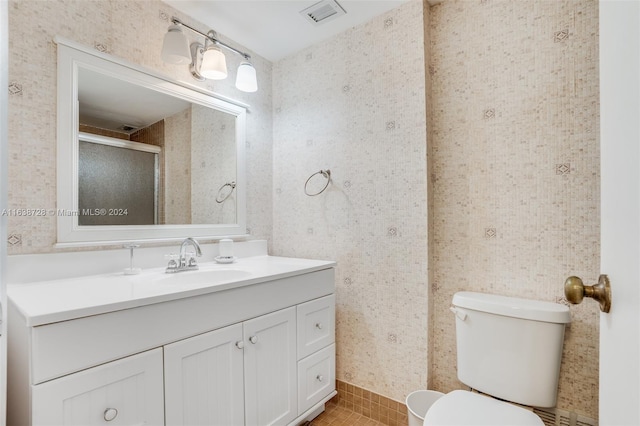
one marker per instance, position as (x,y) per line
(211,35)
(197,50)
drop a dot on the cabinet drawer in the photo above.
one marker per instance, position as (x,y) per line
(316,325)
(127,392)
(316,377)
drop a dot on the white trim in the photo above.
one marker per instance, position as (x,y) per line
(135,67)
(71,58)
(119,143)
(148,241)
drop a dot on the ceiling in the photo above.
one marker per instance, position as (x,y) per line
(114,104)
(275,29)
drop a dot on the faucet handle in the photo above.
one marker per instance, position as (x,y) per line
(173,261)
(191,260)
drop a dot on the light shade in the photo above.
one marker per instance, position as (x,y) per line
(246,78)
(175,48)
(214,64)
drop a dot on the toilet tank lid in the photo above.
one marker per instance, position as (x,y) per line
(536,310)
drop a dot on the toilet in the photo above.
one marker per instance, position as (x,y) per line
(508,350)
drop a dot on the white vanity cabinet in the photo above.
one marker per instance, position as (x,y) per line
(258,353)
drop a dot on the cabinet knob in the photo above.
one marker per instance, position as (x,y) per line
(239,344)
(319,377)
(253,339)
(110,414)
(319,325)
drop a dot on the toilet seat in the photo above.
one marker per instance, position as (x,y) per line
(467,408)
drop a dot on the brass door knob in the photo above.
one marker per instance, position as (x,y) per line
(575,291)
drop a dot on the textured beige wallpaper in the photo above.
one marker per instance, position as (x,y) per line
(355,104)
(512,96)
(515,176)
(177,170)
(133,30)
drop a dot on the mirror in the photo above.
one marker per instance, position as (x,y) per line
(143,157)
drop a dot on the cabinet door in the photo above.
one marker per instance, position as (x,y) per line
(204,379)
(270,369)
(124,392)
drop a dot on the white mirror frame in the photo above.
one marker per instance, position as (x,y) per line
(72,56)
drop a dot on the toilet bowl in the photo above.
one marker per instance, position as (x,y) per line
(467,408)
(508,348)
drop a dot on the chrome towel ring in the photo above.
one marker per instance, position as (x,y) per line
(326,174)
(221,197)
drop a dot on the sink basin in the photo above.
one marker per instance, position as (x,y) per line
(202,277)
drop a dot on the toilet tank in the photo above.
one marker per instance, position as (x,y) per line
(509,347)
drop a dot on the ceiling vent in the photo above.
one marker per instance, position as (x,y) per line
(322,12)
(128,128)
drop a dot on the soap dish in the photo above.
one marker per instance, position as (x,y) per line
(225,259)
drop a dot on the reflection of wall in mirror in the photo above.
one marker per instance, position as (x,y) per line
(213,164)
(177,173)
(200,146)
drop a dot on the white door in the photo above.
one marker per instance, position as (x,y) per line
(620,238)
(125,392)
(204,380)
(4,83)
(270,369)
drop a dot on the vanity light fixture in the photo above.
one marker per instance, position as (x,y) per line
(246,78)
(175,48)
(214,63)
(206,61)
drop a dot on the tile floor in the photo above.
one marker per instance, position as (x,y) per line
(337,415)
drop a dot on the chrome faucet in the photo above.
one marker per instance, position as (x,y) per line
(185,262)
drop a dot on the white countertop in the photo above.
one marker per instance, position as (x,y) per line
(46,302)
